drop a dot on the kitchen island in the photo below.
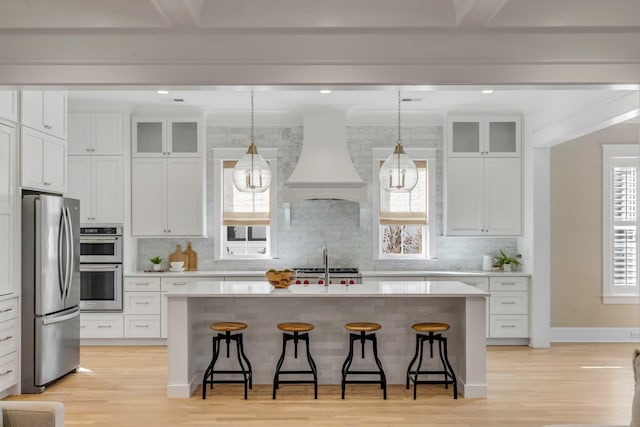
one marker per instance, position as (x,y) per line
(394,304)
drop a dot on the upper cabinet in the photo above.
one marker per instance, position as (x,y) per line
(46,111)
(44,160)
(484,176)
(481,136)
(96,134)
(9,105)
(167,137)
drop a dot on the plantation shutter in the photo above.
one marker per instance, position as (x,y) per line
(624,210)
(406,208)
(240,208)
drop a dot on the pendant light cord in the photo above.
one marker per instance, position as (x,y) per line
(399,139)
(252,116)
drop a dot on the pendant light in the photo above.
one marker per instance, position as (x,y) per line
(398,173)
(252,173)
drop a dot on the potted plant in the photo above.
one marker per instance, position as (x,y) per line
(506,262)
(156,261)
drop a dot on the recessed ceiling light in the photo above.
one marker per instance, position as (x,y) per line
(163,92)
(325,91)
(487,91)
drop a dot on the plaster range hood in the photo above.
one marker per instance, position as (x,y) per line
(324,169)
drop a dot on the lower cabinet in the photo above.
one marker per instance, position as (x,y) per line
(8,343)
(101,325)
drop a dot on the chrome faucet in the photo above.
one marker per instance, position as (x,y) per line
(325,261)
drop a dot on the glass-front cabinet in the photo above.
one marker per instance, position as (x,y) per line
(167,137)
(481,136)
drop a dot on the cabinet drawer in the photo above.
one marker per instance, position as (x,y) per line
(509,303)
(101,325)
(173,284)
(142,303)
(8,309)
(509,326)
(142,284)
(137,326)
(508,284)
(8,370)
(8,336)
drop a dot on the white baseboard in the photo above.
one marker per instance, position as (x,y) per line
(595,334)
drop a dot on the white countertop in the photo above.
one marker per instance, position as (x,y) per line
(378,273)
(396,288)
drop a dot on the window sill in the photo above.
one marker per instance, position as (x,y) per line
(621,299)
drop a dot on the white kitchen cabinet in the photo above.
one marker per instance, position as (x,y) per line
(43,161)
(167,197)
(9,333)
(509,307)
(101,325)
(167,137)
(9,105)
(484,196)
(95,133)
(98,182)
(484,135)
(46,111)
(7,147)
(6,258)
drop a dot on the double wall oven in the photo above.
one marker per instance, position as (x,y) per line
(101,268)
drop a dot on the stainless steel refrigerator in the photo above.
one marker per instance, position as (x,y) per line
(50,289)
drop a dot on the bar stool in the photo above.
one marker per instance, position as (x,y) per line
(449,376)
(363,336)
(224,330)
(300,333)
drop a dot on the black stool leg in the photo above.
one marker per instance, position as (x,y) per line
(276,376)
(415,356)
(444,365)
(421,338)
(312,365)
(238,341)
(215,344)
(383,378)
(246,359)
(453,374)
(347,363)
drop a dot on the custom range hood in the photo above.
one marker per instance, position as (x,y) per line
(324,169)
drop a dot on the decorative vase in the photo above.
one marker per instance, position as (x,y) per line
(506,267)
(157,267)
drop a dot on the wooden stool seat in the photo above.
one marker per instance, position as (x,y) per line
(228,326)
(430,327)
(295,327)
(362,326)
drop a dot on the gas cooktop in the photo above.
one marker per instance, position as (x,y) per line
(314,275)
(320,270)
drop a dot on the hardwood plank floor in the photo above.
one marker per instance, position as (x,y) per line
(568,383)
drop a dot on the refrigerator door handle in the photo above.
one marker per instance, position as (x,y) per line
(62,234)
(58,319)
(70,253)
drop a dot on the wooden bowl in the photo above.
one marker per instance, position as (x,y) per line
(279,279)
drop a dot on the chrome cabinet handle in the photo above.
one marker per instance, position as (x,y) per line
(104,326)
(507,326)
(508,302)
(8,337)
(143,303)
(142,284)
(180,284)
(142,326)
(6,372)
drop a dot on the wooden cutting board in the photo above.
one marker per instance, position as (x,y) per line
(178,255)
(192,257)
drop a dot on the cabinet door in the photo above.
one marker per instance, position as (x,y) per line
(6,285)
(185,197)
(502,136)
(9,105)
(184,137)
(107,189)
(107,133)
(55,112)
(32,109)
(7,143)
(149,197)
(32,158)
(465,196)
(149,137)
(79,184)
(54,166)
(79,138)
(503,196)
(466,136)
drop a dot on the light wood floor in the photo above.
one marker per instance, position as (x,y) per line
(568,383)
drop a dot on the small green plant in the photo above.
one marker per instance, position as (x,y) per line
(156,260)
(503,259)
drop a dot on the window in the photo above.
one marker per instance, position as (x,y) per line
(620,184)
(245,220)
(402,228)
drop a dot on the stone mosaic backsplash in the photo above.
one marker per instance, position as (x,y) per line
(345,227)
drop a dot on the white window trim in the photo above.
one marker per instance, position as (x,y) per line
(380,154)
(219,156)
(609,153)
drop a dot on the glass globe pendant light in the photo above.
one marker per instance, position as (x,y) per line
(398,173)
(252,173)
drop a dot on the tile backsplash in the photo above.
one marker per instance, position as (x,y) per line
(345,227)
